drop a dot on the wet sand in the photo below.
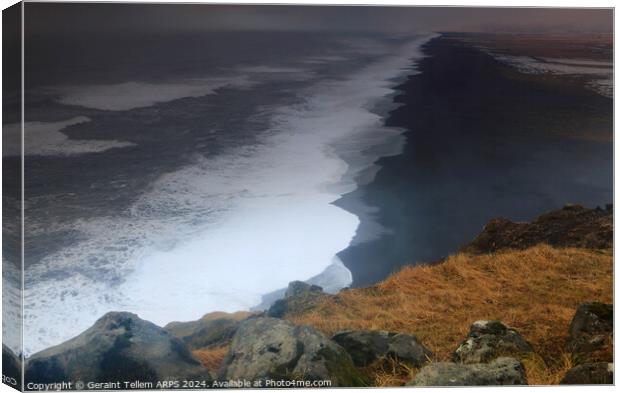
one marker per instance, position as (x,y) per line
(483,141)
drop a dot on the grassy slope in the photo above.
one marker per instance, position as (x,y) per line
(536,291)
(211,358)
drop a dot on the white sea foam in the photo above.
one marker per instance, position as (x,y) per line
(579,62)
(534,65)
(263,73)
(11,306)
(218,234)
(335,277)
(265,69)
(324,59)
(600,72)
(603,86)
(46,139)
(131,95)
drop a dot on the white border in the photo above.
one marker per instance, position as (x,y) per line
(474,3)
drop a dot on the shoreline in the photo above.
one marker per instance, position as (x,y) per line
(489,276)
(472,153)
(282,176)
(398,221)
(360,148)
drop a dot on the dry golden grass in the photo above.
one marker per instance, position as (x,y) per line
(188,328)
(389,372)
(536,291)
(547,372)
(237,316)
(211,358)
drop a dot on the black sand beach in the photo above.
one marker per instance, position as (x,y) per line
(483,141)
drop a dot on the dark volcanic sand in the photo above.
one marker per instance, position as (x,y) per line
(482,142)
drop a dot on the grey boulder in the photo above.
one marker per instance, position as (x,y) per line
(366,346)
(299,288)
(590,374)
(118,347)
(591,328)
(214,329)
(488,340)
(298,297)
(501,371)
(270,348)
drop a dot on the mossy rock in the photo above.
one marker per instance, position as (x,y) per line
(271,348)
(591,328)
(119,346)
(488,340)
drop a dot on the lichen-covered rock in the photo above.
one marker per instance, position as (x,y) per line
(366,346)
(501,371)
(488,340)
(297,288)
(270,348)
(214,329)
(590,374)
(299,297)
(571,226)
(118,347)
(591,328)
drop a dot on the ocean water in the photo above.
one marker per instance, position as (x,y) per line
(173,176)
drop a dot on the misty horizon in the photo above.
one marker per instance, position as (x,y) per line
(74,18)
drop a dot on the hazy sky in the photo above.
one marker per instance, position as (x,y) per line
(73,18)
